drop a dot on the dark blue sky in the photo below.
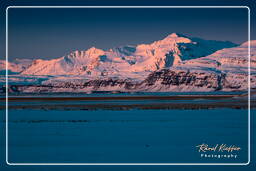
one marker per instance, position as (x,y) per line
(50,33)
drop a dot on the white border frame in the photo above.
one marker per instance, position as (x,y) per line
(249,91)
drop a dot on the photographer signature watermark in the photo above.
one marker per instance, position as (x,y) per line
(218,151)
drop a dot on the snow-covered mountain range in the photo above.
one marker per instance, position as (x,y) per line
(176,63)
(128,60)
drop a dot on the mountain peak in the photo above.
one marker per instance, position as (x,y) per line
(176,38)
(252,43)
(91,52)
(94,50)
(175,35)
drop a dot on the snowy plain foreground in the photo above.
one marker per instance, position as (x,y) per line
(134,136)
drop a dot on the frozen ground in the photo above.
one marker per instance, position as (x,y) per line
(123,136)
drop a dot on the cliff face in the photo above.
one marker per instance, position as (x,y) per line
(169,79)
(164,80)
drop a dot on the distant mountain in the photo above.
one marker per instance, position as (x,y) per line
(16,66)
(228,60)
(174,64)
(225,70)
(128,61)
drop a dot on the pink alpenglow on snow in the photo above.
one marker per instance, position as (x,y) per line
(168,52)
(176,63)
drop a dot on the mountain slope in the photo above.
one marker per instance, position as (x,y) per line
(128,61)
(225,70)
(17,66)
(233,60)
